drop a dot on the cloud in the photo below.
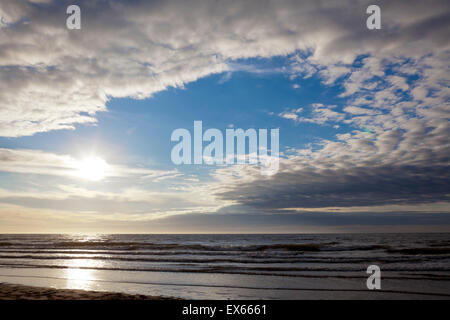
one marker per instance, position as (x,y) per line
(29,161)
(292,114)
(393,84)
(129,200)
(134,49)
(323,114)
(129,189)
(319,114)
(346,187)
(289,115)
(396,153)
(359,110)
(49,220)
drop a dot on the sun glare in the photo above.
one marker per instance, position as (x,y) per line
(79,276)
(93,169)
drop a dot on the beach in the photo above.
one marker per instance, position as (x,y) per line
(295,266)
(21,292)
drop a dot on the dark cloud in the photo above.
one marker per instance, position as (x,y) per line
(359,186)
(300,222)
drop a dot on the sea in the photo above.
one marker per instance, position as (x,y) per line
(233,266)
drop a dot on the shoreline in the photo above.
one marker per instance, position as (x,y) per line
(10,291)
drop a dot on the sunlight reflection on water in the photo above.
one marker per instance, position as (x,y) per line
(80,278)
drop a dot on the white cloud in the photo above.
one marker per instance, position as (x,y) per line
(322,114)
(29,161)
(52,78)
(359,110)
(288,115)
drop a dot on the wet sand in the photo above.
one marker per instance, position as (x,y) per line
(21,292)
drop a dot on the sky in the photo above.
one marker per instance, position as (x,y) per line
(86,116)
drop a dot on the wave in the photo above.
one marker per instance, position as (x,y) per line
(434,250)
(147,252)
(360,248)
(175,246)
(205,257)
(255,260)
(290,247)
(267,271)
(293,247)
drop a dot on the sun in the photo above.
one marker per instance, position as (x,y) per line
(93,168)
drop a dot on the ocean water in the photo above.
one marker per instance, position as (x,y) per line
(266,266)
